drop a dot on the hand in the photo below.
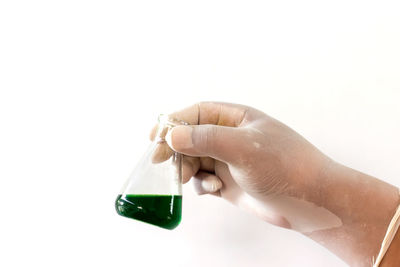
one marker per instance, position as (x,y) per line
(251,160)
(262,166)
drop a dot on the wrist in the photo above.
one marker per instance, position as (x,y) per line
(365,206)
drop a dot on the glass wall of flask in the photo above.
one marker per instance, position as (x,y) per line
(153,192)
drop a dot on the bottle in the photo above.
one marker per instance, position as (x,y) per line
(153,192)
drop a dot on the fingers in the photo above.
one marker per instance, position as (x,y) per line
(217,113)
(162,152)
(206,183)
(207,164)
(227,144)
(190,167)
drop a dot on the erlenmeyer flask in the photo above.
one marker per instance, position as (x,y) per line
(153,192)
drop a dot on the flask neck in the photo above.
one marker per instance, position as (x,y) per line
(165,123)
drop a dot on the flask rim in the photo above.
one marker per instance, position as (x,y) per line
(170,122)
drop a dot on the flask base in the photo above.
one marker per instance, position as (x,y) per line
(161,210)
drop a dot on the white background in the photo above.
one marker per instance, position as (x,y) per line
(82,82)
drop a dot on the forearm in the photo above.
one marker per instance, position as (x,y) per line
(364,204)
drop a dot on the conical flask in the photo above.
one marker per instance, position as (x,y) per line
(153,192)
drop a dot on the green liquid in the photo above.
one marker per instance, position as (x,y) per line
(160,210)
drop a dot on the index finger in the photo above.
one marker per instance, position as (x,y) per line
(217,113)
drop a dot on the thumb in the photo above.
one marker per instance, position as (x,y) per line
(223,143)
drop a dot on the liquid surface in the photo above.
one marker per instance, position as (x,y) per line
(160,210)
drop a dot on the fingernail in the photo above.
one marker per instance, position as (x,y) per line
(179,138)
(211,186)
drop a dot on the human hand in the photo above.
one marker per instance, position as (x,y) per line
(262,166)
(253,161)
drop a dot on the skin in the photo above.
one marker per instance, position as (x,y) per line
(264,167)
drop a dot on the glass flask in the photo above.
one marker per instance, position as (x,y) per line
(153,192)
